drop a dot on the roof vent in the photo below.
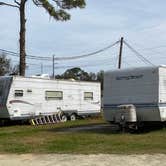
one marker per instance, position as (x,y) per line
(44,76)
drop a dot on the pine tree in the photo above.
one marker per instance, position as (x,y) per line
(55,8)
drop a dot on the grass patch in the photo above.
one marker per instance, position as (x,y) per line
(58,139)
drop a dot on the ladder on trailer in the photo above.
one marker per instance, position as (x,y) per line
(46,119)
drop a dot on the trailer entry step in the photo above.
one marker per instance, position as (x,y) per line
(46,119)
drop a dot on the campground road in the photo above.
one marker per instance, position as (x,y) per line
(82,160)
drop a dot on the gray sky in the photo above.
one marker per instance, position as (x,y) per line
(141,22)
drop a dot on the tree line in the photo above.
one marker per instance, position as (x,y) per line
(6,66)
(76,73)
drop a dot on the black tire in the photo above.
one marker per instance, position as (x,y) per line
(73,117)
(63,118)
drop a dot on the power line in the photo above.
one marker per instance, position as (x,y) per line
(33,64)
(95,63)
(27,56)
(151,49)
(59,58)
(86,65)
(145,60)
(87,55)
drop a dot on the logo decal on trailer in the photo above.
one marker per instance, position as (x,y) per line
(19,101)
(129,77)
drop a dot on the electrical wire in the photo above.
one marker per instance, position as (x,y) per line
(60,58)
(86,65)
(87,55)
(153,50)
(27,56)
(145,60)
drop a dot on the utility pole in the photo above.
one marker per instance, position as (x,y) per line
(120,52)
(53,66)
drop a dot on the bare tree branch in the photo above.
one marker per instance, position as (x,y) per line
(37,3)
(8,4)
(17,2)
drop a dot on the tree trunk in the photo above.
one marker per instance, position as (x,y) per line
(22,65)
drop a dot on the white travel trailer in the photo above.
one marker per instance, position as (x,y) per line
(135,96)
(26,98)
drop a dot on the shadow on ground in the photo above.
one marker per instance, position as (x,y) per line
(104,129)
(93,128)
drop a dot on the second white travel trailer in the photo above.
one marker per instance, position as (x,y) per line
(26,98)
(135,96)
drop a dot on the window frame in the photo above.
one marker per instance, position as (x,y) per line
(88,98)
(55,97)
(29,90)
(18,91)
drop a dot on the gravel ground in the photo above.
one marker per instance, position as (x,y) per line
(82,160)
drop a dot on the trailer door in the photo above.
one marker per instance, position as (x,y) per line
(5,83)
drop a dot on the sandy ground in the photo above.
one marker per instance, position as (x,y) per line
(82,160)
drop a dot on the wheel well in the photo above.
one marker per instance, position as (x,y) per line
(74,113)
(69,113)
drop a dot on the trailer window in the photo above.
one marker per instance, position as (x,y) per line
(88,95)
(29,90)
(54,95)
(18,93)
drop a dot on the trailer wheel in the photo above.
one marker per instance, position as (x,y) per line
(73,117)
(63,118)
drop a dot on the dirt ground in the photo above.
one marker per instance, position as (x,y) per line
(82,160)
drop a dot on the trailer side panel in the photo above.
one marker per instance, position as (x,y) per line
(132,86)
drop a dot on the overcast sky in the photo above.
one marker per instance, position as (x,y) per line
(141,22)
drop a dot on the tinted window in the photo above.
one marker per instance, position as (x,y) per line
(18,93)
